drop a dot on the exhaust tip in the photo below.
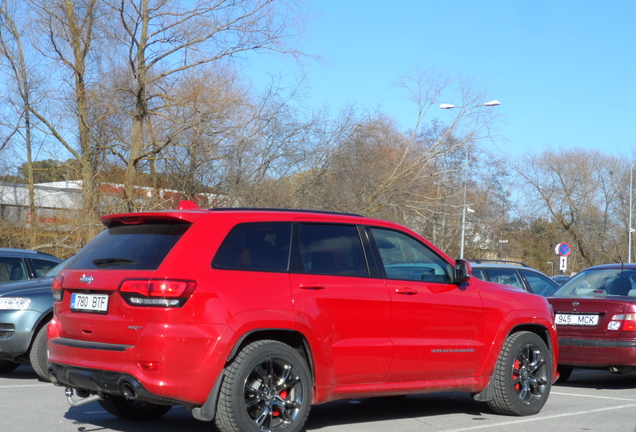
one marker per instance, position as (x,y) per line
(128,391)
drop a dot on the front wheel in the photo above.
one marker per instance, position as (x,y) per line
(39,355)
(267,388)
(523,375)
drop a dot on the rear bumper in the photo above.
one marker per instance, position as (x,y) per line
(175,367)
(597,352)
(104,382)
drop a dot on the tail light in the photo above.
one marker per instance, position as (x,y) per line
(58,293)
(624,322)
(156,292)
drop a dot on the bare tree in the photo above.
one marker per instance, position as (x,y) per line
(70,31)
(13,54)
(576,189)
(162,39)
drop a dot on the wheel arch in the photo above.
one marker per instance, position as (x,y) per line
(292,338)
(289,337)
(44,319)
(538,329)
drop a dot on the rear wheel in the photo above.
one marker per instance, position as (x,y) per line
(39,355)
(523,375)
(121,407)
(266,388)
(7,366)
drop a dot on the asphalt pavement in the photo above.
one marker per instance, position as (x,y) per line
(589,401)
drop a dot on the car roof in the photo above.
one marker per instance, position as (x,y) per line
(477,264)
(613,266)
(26,253)
(498,263)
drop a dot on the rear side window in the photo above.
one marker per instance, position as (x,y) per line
(331,250)
(261,246)
(479,274)
(42,267)
(130,247)
(540,284)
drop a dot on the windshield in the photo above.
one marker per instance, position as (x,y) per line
(600,282)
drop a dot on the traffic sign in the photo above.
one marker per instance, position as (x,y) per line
(562,249)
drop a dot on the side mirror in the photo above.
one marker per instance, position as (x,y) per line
(463,272)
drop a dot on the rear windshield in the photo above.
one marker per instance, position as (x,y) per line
(600,283)
(129,247)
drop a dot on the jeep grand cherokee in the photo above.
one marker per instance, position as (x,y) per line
(249,316)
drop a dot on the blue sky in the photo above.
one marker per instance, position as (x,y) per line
(563,71)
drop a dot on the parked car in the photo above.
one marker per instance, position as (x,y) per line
(514,274)
(595,314)
(561,279)
(25,310)
(23,264)
(247,317)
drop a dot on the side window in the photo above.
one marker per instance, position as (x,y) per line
(479,274)
(42,267)
(540,284)
(331,250)
(12,269)
(404,257)
(505,276)
(262,246)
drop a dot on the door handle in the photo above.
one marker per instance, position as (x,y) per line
(311,287)
(406,291)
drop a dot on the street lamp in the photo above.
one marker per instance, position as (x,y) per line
(631,230)
(468,110)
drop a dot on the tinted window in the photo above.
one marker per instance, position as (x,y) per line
(404,257)
(505,276)
(12,269)
(136,247)
(262,246)
(331,250)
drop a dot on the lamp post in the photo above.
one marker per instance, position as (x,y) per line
(468,110)
(631,230)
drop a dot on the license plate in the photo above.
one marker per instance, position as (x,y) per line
(576,319)
(89,302)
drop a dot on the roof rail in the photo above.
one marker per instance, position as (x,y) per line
(500,261)
(282,210)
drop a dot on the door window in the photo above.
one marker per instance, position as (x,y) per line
(329,249)
(405,258)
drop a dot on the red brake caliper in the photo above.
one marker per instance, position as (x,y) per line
(515,373)
(283,396)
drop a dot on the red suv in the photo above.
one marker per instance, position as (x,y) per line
(249,316)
